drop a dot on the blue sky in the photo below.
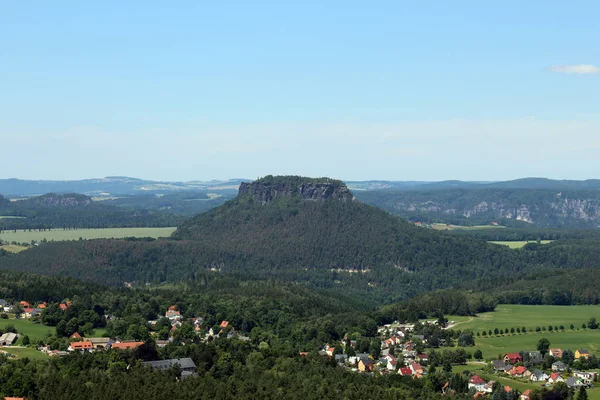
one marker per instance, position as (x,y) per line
(353,90)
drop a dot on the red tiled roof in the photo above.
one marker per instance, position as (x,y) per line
(554,376)
(224,324)
(82,345)
(507,389)
(62,306)
(24,304)
(476,379)
(172,308)
(126,345)
(405,371)
(76,335)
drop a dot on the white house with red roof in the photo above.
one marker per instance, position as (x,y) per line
(477,382)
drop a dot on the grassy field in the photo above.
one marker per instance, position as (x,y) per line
(530,317)
(26,327)
(519,243)
(25,352)
(22,236)
(12,248)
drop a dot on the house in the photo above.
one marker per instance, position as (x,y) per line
(162,343)
(508,368)
(101,343)
(526,395)
(63,306)
(81,346)
(405,371)
(422,357)
(357,357)
(498,365)
(330,351)
(477,383)
(513,358)
(416,368)
(489,387)
(186,365)
(582,353)
(409,346)
(43,305)
(366,365)
(224,324)
(555,377)
(391,364)
(556,353)
(75,336)
(126,345)
(575,382)
(559,366)
(410,355)
(538,376)
(8,339)
(588,376)
(173,315)
(25,304)
(520,372)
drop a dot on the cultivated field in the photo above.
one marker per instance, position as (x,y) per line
(12,248)
(23,236)
(519,243)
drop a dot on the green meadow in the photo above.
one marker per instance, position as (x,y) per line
(513,316)
(518,243)
(25,236)
(25,352)
(26,327)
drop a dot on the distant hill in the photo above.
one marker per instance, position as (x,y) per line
(483,205)
(109,186)
(74,210)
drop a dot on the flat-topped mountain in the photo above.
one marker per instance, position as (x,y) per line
(68,200)
(269,188)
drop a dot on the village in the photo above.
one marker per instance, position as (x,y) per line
(402,352)
(409,350)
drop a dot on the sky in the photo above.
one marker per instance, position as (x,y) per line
(395,90)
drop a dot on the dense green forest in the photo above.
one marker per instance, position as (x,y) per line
(327,243)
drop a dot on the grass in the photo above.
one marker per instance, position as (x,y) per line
(26,327)
(23,236)
(13,248)
(530,317)
(518,243)
(25,352)
(10,217)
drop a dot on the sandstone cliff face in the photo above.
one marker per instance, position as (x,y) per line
(264,192)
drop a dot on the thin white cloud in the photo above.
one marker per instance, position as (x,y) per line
(581,69)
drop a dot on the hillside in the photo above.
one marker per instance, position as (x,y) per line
(73,210)
(512,207)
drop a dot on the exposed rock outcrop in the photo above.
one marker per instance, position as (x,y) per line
(264,191)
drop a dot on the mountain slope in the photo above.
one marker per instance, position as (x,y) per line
(537,207)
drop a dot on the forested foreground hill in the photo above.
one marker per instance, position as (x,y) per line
(304,231)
